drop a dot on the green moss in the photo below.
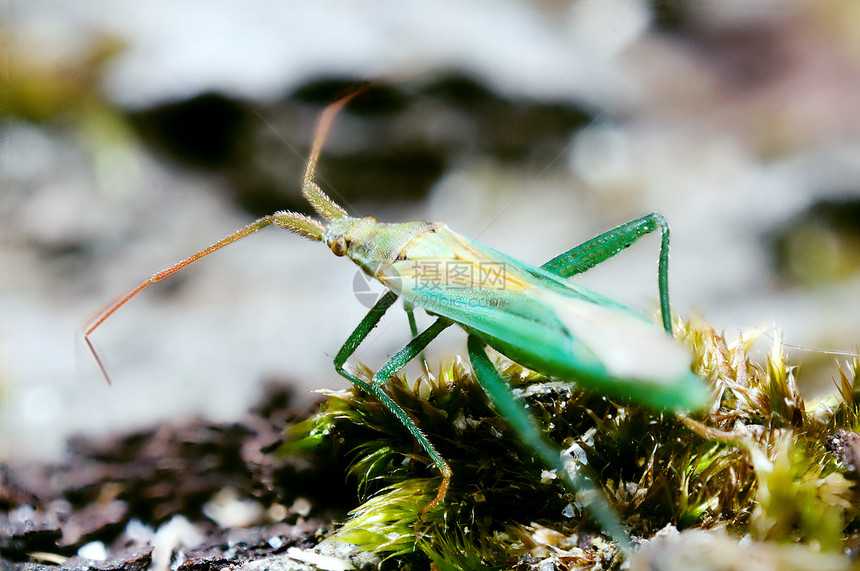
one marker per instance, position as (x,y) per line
(754,463)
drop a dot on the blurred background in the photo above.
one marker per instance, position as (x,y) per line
(136,133)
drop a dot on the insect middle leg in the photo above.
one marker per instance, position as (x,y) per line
(529,432)
(601,248)
(389,369)
(413,328)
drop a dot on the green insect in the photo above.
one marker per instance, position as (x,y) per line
(530,314)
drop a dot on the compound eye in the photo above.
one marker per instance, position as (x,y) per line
(338,246)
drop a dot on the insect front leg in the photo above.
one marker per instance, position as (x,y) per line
(601,248)
(526,427)
(389,369)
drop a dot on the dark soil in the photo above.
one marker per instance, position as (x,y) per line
(119,490)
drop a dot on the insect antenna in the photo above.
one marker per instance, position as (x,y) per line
(292,221)
(325,206)
(235,236)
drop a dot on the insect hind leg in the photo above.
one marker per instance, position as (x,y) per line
(601,248)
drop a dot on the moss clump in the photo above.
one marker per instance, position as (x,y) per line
(755,463)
